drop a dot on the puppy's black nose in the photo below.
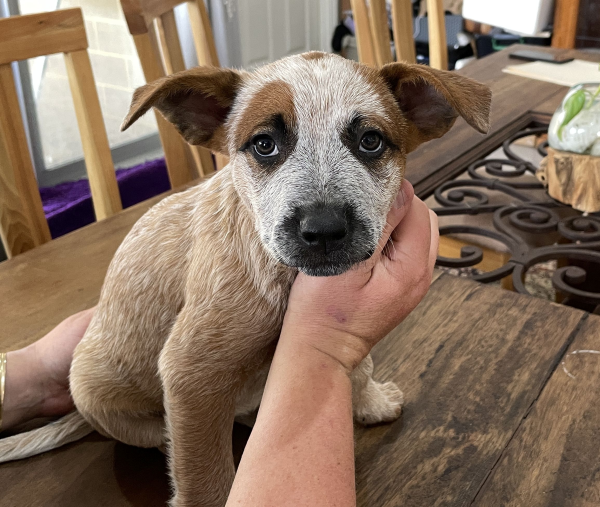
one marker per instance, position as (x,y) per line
(323,228)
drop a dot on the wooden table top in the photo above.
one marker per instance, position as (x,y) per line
(499,410)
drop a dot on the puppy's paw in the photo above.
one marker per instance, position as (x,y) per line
(378,403)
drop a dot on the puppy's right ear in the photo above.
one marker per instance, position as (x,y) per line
(196,101)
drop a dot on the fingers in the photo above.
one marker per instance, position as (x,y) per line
(413,238)
(399,209)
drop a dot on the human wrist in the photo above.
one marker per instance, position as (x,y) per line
(343,349)
(23,396)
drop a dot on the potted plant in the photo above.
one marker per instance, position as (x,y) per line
(571,170)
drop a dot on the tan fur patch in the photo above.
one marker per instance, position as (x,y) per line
(395,127)
(432,99)
(274,98)
(196,101)
(313,55)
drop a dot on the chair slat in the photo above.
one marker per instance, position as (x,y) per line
(221,160)
(156,8)
(403,31)
(203,34)
(364,39)
(96,149)
(134,16)
(203,160)
(23,37)
(169,36)
(379,30)
(142,16)
(566,13)
(23,225)
(438,49)
(174,145)
(174,62)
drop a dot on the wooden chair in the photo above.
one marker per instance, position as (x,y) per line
(23,224)
(566,13)
(154,31)
(373,36)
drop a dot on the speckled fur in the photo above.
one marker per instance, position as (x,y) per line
(194,298)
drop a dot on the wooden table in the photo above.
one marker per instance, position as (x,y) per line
(491,416)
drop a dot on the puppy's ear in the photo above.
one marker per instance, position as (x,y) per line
(431,100)
(196,101)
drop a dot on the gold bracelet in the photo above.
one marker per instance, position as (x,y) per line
(2,383)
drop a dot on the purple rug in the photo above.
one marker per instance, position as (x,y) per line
(68,206)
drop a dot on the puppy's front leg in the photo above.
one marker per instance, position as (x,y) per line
(202,370)
(374,402)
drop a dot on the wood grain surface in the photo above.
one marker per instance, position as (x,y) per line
(96,149)
(44,286)
(471,360)
(566,13)
(23,225)
(554,459)
(172,53)
(174,146)
(436,23)
(204,41)
(403,30)
(572,179)
(380,32)
(364,38)
(23,37)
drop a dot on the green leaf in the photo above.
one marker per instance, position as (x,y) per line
(572,106)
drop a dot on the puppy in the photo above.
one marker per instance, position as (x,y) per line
(193,301)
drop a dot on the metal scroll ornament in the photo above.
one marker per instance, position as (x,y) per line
(575,239)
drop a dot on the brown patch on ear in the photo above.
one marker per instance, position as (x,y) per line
(431,100)
(274,99)
(313,55)
(394,125)
(196,101)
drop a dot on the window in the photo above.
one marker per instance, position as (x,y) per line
(51,122)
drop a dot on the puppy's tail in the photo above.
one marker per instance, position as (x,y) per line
(68,429)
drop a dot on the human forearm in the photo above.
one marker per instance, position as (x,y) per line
(301,451)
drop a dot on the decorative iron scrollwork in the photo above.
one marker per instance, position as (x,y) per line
(575,239)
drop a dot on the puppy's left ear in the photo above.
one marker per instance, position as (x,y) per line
(196,101)
(431,100)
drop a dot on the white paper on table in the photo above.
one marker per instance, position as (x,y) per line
(566,74)
(526,17)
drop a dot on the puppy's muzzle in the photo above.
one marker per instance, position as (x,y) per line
(323,229)
(323,239)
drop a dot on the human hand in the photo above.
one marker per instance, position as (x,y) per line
(345,316)
(37,377)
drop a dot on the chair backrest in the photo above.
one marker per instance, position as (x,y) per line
(23,224)
(152,25)
(373,36)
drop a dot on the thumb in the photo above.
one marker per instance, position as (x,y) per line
(398,211)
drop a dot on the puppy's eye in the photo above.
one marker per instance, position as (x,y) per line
(370,142)
(265,146)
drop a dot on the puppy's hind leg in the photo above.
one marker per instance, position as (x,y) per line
(115,409)
(374,402)
(137,429)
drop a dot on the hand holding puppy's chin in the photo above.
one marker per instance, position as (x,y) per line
(345,316)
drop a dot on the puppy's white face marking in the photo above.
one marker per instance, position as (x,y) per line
(316,150)
(317,143)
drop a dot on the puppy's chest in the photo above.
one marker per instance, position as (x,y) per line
(271,297)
